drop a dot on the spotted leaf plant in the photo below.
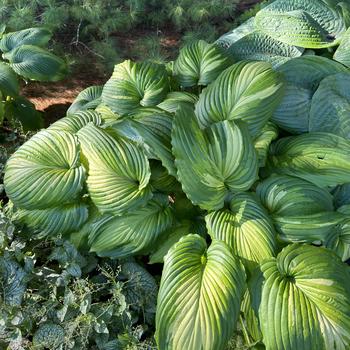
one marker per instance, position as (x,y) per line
(190,165)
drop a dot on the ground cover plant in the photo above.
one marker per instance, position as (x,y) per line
(228,168)
(25,57)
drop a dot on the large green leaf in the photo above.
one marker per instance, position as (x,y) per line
(175,99)
(31,36)
(151,127)
(35,63)
(341,195)
(214,161)
(330,107)
(199,296)
(199,63)
(263,141)
(342,54)
(45,171)
(259,46)
(89,98)
(9,85)
(303,76)
(248,91)
(339,238)
(61,219)
(305,300)
(135,85)
(310,24)
(73,123)
(132,233)
(284,195)
(319,157)
(245,227)
(118,171)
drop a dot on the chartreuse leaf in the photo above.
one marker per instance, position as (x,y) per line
(339,238)
(35,63)
(248,91)
(214,161)
(45,171)
(305,300)
(199,63)
(199,296)
(301,211)
(263,141)
(342,54)
(303,76)
(132,233)
(52,221)
(9,85)
(310,24)
(330,107)
(319,157)
(89,98)
(118,171)
(175,99)
(284,195)
(151,127)
(135,85)
(31,36)
(246,228)
(73,123)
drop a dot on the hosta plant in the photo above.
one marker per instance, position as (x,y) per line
(24,56)
(201,165)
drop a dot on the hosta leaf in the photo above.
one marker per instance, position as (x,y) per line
(106,113)
(61,219)
(118,171)
(13,282)
(307,228)
(73,123)
(248,91)
(132,233)
(245,227)
(152,128)
(199,296)
(199,63)
(89,98)
(303,76)
(341,195)
(330,107)
(169,238)
(284,195)
(23,110)
(247,27)
(259,46)
(35,63)
(263,141)
(135,85)
(214,161)
(339,238)
(9,85)
(310,24)
(305,300)
(250,317)
(342,54)
(318,157)
(45,171)
(175,99)
(31,36)
(161,180)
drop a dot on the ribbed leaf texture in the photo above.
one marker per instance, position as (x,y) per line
(305,300)
(199,296)
(89,98)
